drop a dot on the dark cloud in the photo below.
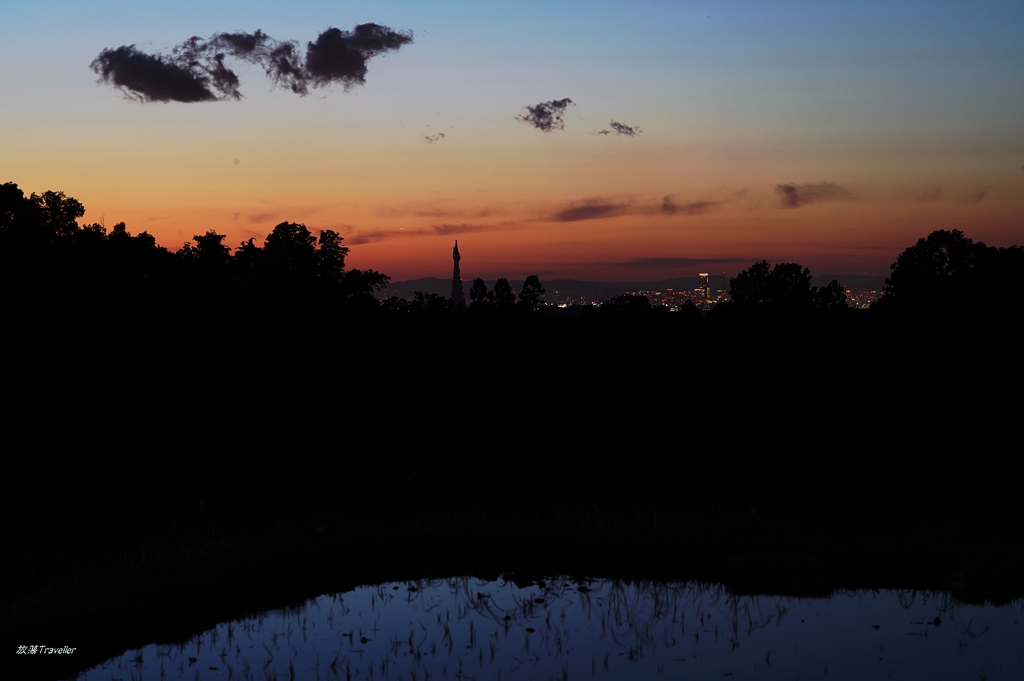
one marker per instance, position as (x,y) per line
(797,195)
(591,209)
(976,196)
(931,194)
(197,70)
(340,56)
(436,137)
(546,116)
(149,78)
(599,208)
(692,208)
(621,129)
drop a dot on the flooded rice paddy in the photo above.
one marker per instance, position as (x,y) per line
(560,628)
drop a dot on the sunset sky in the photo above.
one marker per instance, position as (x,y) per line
(825,133)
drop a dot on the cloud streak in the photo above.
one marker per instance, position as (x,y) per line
(621,129)
(668,207)
(799,195)
(601,208)
(546,116)
(433,230)
(197,70)
(590,209)
(434,211)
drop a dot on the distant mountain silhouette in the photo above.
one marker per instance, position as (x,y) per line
(603,290)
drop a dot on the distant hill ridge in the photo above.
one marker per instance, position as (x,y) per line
(603,290)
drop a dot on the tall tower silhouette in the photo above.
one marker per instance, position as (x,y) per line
(458,295)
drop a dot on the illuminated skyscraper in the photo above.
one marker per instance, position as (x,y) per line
(705,288)
(458,295)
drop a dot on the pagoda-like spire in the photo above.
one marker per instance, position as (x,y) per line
(458,294)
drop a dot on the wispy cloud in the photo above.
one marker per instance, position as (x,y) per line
(269,216)
(609,207)
(433,230)
(546,116)
(621,129)
(976,195)
(197,71)
(799,195)
(590,209)
(693,208)
(434,211)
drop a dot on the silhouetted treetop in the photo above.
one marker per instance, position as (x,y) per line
(784,289)
(478,293)
(531,293)
(59,211)
(45,256)
(931,263)
(331,256)
(504,296)
(830,297)
(289,253)
(38,217)
(947,271)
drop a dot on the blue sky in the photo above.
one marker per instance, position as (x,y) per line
(889,101)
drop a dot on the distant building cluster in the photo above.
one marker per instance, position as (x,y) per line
(703,297)
(562,298)
(861,300)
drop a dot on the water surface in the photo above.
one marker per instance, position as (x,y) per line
(466,628)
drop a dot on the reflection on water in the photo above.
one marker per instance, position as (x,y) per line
(465,628)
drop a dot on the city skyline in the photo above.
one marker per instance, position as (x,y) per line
(620,143)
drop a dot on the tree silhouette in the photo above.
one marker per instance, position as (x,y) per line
(59,212)
(210,249)
(947,273)
(784,289)
(750,287)
(479,294)
(926,268)
(431,303)
(504,296)
(831,297)
(530,295)
(363,282)
(289,254)
(331,257)
(12,205)
(209,256)
(247,256)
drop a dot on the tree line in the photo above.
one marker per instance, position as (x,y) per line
(47,258)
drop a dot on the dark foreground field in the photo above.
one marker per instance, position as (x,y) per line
(160,481)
